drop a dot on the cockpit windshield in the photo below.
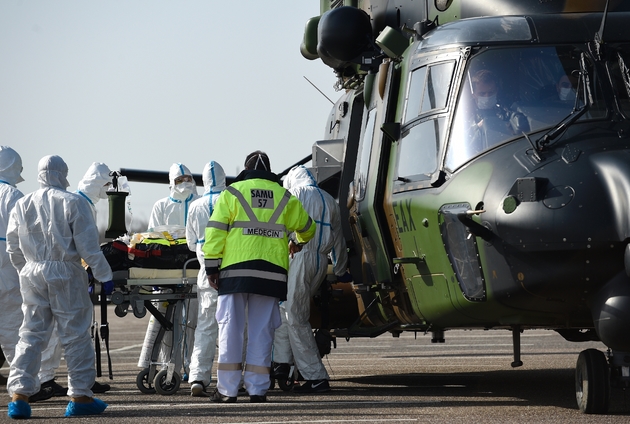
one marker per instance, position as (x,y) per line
(510,91)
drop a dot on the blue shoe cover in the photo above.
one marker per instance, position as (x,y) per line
(19,409)
(94,408)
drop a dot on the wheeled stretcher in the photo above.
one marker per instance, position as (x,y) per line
(141,289)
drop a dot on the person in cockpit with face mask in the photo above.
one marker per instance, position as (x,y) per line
(493,122)
(566,92)
(173,210)
(485,87)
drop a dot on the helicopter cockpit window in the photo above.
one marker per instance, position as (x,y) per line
(428,89)
(418,152)
(510,91)
(503,28)
(365,149)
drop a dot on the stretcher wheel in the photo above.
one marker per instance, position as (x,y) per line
(120,311)
(118,298)
(166,388)
(143,383)
(139,313)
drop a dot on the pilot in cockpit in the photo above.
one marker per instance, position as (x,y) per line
(565,90)
(493,122)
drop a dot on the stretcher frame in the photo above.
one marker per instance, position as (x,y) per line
(139,295)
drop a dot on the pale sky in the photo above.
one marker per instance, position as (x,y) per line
(145,83)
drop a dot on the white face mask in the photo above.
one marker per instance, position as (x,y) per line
(184,188)
(103,193)
(566,93)
(487,102)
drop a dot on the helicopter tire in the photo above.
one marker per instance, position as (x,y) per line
(166,388)
(143,383)
(592,382)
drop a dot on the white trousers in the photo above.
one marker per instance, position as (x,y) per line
(206,335)
(262,316)
(54,292)
(11,316)
(294,341)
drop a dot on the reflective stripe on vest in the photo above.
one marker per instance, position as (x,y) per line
(256,227)
(267,275)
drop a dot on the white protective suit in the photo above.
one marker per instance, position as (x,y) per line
(94,184)
(207,328)
(173,211)
(49,231)
(10,296)
(307,270)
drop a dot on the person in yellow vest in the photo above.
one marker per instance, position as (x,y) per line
(246,255)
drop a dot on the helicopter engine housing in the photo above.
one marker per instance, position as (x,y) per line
(343,34)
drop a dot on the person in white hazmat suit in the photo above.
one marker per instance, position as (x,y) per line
(10,296)
(94,184)
(49,231)
(93,187)
(207,329)
(173,211)
(294,341)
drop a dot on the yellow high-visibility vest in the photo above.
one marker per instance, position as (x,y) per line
(247,236)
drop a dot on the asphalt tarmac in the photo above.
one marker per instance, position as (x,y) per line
(467,379)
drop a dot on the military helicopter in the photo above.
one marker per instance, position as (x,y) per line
(482,150)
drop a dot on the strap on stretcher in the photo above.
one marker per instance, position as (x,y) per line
(136,252)
(105,336)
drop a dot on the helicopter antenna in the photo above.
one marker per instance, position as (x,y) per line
(322,93)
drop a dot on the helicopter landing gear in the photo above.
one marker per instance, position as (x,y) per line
(592,382)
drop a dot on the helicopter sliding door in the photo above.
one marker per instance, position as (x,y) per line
(367,214)
(414,203)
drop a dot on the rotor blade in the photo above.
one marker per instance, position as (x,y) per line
(159,177)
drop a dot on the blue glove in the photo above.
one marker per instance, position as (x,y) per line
(108,287)
(345,278)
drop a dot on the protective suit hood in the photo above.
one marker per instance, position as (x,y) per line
(10,166)
(213,177)
(180,191)
(92,185)
(299,176)
(52,171)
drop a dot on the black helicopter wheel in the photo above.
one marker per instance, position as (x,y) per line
(166,388)
(143,383)
(592,382)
